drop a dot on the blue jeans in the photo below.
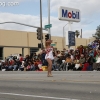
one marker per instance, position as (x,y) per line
(15,67)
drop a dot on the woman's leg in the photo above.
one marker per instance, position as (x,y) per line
(49,66)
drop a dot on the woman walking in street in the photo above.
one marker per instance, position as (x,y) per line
(49,56)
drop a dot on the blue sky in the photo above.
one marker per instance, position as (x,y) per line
(27,7)
(28,11)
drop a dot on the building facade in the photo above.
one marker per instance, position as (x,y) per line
(16,42)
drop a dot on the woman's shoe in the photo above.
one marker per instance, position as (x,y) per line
(49,76)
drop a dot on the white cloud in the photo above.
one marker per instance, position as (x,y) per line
(26,19)
(56,30)
(88,33)
(89,13)
(89,8)
(86,6)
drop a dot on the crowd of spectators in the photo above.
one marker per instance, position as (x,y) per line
(81,59)
(27,63)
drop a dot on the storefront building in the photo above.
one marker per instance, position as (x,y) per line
(16,42)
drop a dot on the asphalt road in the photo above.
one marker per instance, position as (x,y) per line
(62,86)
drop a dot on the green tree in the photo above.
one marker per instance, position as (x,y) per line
(98,32)
(77,33)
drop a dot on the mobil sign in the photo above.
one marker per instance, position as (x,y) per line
(69,14)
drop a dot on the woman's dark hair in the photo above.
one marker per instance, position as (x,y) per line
(99,48)
(68,55)
(31,55)
(54,54)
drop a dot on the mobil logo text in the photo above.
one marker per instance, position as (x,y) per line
(70,14)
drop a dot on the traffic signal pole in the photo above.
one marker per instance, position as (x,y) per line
(49,31)
(41,24)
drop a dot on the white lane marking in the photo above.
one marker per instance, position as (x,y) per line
(36,96)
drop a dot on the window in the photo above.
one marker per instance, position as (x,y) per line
(1,53)
(33,50)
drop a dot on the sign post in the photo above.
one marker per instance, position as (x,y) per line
(70,15)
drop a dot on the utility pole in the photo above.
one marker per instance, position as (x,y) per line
(41,24)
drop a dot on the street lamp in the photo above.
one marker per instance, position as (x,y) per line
(64,36)
(21,24)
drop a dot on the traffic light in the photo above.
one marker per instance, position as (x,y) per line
(47,36)
(39,33)
(40,45)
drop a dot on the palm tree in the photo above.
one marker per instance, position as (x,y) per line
(77,33)
(98,32)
